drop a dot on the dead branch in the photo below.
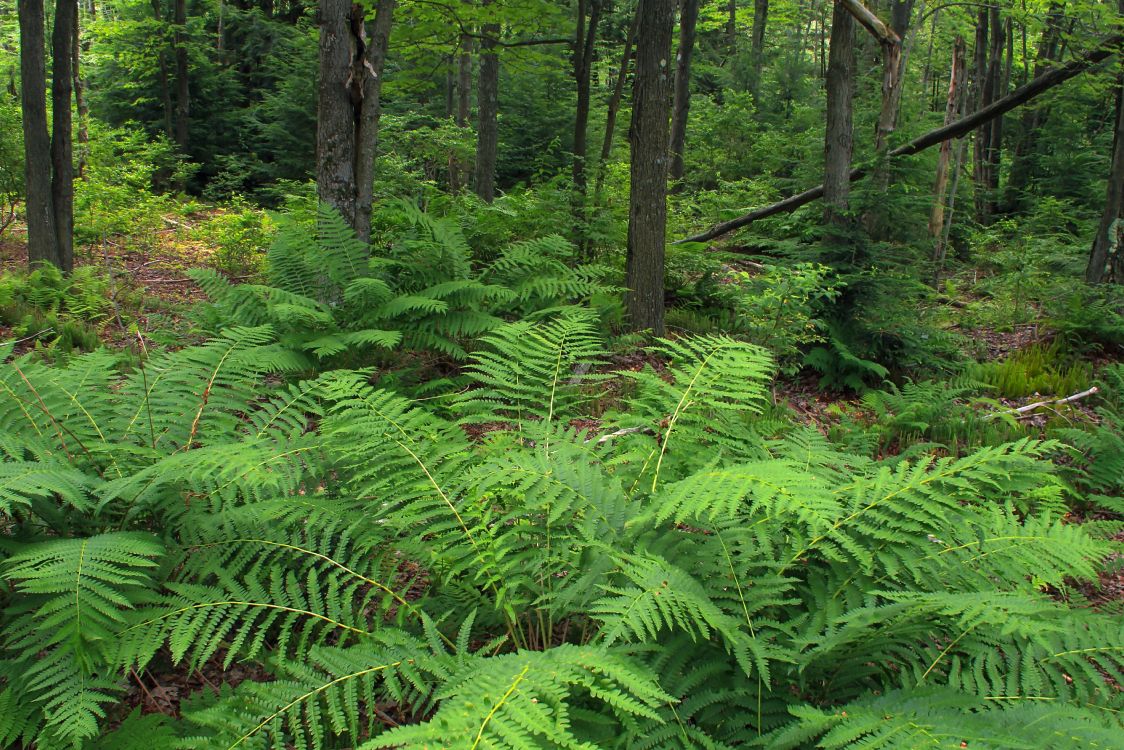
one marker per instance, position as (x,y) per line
(1023,410)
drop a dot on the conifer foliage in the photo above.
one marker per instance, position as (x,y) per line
(685,576)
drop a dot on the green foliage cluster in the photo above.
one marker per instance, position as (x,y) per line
(1042,369)
(327,296)
(679,577)
(11,162)
(238,236)
(62,312)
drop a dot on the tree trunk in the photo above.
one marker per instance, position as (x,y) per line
(688,17)
(165,79)
(368,68)
(457,169)
(839,136)
(615,105)
(62,145)
(80,47)
(1026,139)
(183,90)
(996,90)
(980,99)
(583,71)
(1107,255)
(952,112)
(648,137)
(335,118)
(42,243)
(1107,48)
(757,44)
(731,27)
(487,129)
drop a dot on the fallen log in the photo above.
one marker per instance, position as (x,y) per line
(961,127)
(1024,410)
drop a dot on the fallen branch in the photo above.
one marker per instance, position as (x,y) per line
(621,433)
(961,127)
(1023,410)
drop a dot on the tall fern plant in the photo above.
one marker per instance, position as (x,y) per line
(509,573)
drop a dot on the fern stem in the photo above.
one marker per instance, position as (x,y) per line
(499,704)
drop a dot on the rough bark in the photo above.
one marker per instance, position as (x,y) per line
(648,137)
(368,68)
(839,135)
(183,88)
(457,169)
(757,44)
(41,235)
(487,129)
(584,42)
(335,114)
(952,113)
(688,18)
(961,127)
(62,145)
(1107,255)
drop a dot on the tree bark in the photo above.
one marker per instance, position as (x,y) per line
(731,27)
(839,135)
(963,126)
(62,145)
(183,88)
(42,240)
(952,113)
(457,169)
(487,129)
(648,137)
(757,44)
(688,18)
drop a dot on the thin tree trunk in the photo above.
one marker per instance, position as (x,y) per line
(839,135)
(941,250)
(183,89)
(614,106)
(80,46)
(487,129)
(164,78)
(757,48)
(368,68)
(457,169)
(952,113)
(961,127)
(583,71)
(62,145)
(688,17)
(42,243)
(929,59)
(1107,254)
(731,27)
(981,98)
(995,91)
(648,136)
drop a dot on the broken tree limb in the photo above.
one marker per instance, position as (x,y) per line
(870,22)
(964,125)
(1023,410)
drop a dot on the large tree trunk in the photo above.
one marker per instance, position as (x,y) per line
(961,127)
(335,113)
(42,243)
(839,135)
(952,112)
(487,129)
(648,136)
(458,171)
(757,44)
(183,89)
(62,145)
(688,17)
(584,41)
(348,107)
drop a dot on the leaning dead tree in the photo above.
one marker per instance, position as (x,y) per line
(963,126)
